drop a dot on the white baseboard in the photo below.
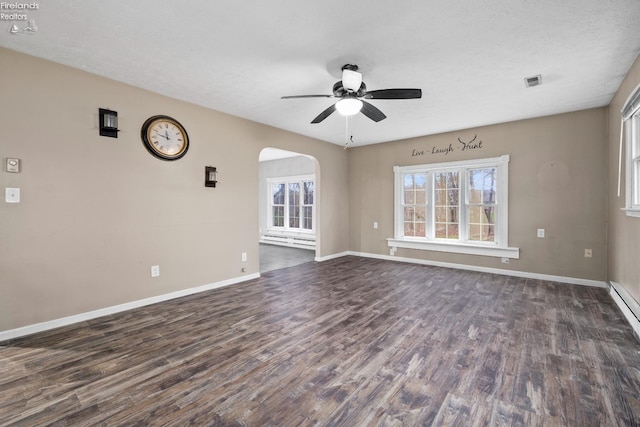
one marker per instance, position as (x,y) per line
(44,326)
(503,272)
(627,305)
(333,256)
(39,327)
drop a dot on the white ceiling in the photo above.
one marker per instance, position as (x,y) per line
(468,57)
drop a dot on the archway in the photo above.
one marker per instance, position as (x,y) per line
(288,208)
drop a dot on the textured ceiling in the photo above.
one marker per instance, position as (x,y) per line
(468,57)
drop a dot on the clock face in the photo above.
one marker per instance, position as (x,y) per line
(165,137)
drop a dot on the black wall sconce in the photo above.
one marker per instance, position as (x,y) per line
(108,123)
(210,176)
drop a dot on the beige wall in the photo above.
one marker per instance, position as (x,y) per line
(557,181)
(624,231)
(97,212)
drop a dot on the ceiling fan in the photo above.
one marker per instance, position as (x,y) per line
(352,93)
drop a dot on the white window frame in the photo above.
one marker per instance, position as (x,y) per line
(498,248)
(300,179)
(631,128)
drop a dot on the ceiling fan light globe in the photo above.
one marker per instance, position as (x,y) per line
(349,106)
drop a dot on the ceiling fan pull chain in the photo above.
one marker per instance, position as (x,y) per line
(346,132)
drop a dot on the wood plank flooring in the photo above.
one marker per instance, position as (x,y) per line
(347,342)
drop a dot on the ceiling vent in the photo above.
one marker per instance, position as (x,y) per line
(533,81)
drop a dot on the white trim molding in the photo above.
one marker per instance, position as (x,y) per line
(627,305)
(82,317)
(630,129)
(632,212)
(427,238)
(458,248)
(503,272)
(333,256)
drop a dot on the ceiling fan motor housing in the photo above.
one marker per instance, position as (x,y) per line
(339,90)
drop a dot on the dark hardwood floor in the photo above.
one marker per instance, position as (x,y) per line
(347,342)
(274,257)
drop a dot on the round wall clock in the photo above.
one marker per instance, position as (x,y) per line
(165,137)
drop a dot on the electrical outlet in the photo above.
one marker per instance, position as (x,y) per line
(505,260)
(541,233)
(244,256)
(588,253)
(12,195)
(155,270)
(375,225)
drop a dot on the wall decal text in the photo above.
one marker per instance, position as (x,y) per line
(474,144)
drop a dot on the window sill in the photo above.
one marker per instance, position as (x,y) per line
(458,248)
(291,233)
(632,212)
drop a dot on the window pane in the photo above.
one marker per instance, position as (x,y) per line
(452,197)
(452,179)
(441,197)
(452,214)
(420,181)
(294,205)
(294,193)
(636,180)
(278,194)
(482,186)
(409,197)
(475,214)
(408,213)
(294,217)
(475,196)
(308,192)
(475,232)
(420,214)
(307,217)
(421,229)
(447,209)
(439,181)
(278,216)
(482,223)
(408,182)
(408,229)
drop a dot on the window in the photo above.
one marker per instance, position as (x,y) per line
(291,205)
(457,207)
(631,128)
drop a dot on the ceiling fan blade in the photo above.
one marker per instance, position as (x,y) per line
(326,113)
(372,112)
(394,94)
(307,96)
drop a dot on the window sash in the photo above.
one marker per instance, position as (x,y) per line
(440,221)
(631,129)
(294,209)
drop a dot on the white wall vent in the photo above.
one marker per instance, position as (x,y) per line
(533,81)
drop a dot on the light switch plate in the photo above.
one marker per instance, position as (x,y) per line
(12,195)
(13,165)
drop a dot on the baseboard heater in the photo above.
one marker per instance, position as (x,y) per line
(629,307)
(291,241)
